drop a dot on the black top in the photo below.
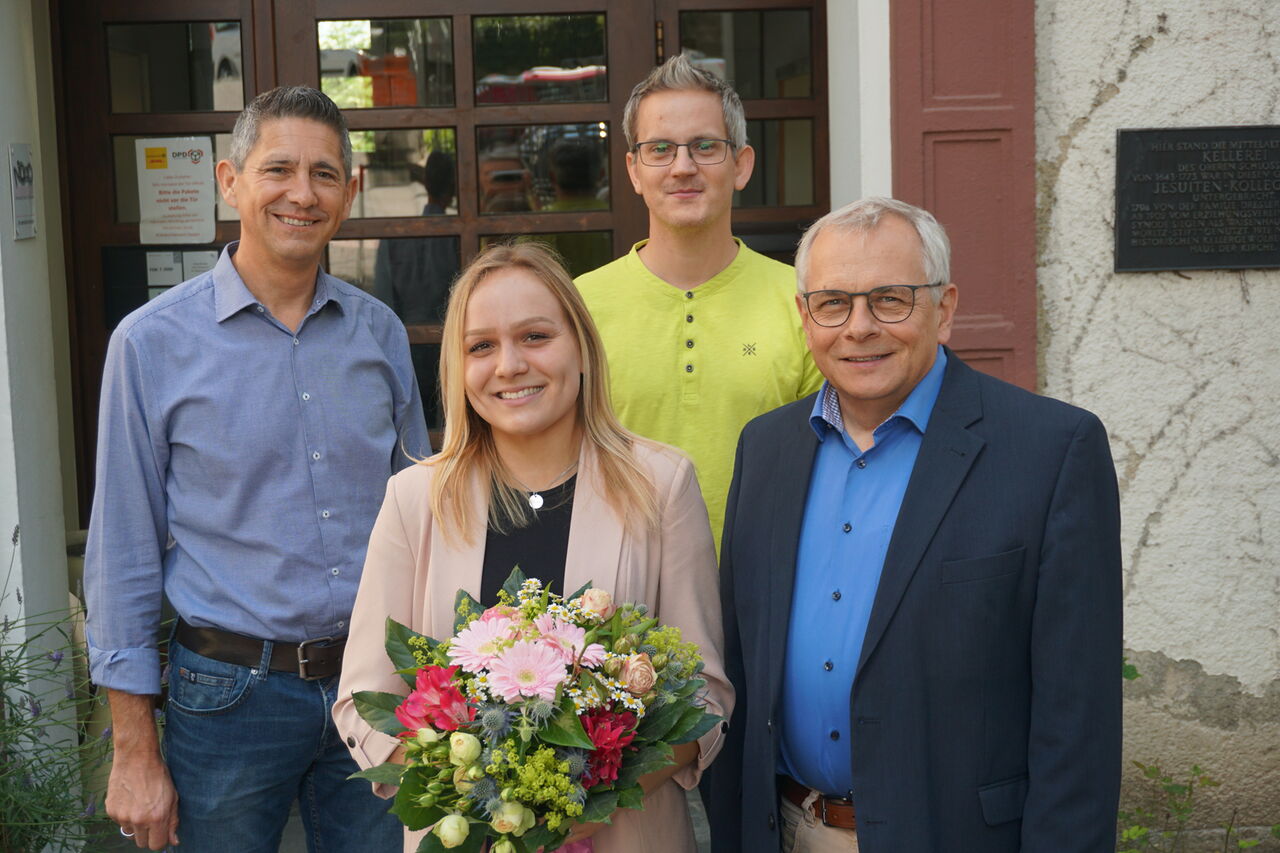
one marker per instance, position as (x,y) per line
(538,549)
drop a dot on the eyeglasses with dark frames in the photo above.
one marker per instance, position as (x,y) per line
(704,152)
(892,303)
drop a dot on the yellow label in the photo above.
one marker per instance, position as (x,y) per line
(157,158)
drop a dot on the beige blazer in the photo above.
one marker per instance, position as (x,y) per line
(412,573)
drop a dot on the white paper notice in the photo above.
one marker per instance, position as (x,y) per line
(164,269)
(176,192)
(23,189)
(194,263)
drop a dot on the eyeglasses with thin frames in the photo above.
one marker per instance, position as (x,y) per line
(892,303)
(704,152)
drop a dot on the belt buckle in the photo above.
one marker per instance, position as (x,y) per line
(823,798)
(303,660)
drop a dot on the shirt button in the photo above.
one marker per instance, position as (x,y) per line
(689,344)
(835,596)
(862,463)
(688,294)
(316,455)
(688,318)
(306,396)
(828,666)
(835,735)
(295,342)
(351,742)
(688,368)
(324,513)
(846,527)
(342,624)
(334,572)
(261,309)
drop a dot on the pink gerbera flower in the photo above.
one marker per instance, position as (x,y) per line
(568,640)
(526,669)
(476,645)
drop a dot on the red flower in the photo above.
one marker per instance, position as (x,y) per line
(436,702)
(609,731)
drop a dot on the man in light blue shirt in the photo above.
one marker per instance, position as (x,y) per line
(250,418)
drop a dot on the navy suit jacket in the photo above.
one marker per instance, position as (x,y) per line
(985,710)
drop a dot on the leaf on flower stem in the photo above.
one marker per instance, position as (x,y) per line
(599,807)
(692,720)
(540,837)
(412,814)
(652,757)
(379,710)
(631,798)
(656,724)
(565,729)
(580,590)
(399,650)
(383,774)
(514,581)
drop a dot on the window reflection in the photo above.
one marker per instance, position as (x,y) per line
(553,168)
(156,68)
(767,54)
(398,170)
(783,174)
(581,251)
(539,58)
(400,62)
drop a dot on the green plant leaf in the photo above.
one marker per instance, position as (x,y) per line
(656,724)
(514,581)
(543,836)
(399,650)
(379,710)
(431,843)
(383,774)
(1128,671)
(631,798)
(689,720)
(579,591)
(653,757)
(599,807)
(464,609)
(565,729)
(703,725)
(406,807)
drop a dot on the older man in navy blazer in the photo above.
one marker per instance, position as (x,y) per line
(921,584)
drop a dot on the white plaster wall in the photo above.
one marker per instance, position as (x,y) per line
(1183,368)
(30,467)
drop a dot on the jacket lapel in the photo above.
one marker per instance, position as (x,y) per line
(947,452)
(456,565)
(595,533)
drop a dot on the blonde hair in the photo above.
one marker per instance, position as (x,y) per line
(468,446)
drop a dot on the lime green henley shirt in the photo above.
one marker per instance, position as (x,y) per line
(690,368)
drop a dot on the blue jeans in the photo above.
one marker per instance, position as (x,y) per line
(242,743)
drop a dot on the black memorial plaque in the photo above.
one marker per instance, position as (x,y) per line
(1198,198)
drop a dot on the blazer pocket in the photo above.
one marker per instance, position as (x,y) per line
(1003,801)
(982,568)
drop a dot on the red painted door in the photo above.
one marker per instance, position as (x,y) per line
(963,78)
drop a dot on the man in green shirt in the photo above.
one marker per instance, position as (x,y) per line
(702,333)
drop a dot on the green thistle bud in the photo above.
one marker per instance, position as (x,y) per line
(660,662)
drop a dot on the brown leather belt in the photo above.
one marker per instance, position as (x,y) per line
(310,659)
(833,811)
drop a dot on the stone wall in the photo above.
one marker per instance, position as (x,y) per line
(1184,368)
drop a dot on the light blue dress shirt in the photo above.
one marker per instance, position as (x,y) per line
(241,466)
(849,516)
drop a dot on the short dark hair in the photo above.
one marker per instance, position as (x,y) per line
(439,175)
(287,102)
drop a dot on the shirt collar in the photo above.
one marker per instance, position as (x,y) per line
(231,296)
(917,408)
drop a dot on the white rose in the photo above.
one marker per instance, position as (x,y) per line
(452,830)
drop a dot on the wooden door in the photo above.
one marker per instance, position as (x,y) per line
(963,96)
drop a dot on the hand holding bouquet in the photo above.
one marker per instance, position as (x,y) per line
(540,712)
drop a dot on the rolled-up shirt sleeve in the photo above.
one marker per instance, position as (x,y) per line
(128,528)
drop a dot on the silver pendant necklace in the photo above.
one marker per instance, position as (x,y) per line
(535,496)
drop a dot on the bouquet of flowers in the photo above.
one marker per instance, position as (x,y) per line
(540,712)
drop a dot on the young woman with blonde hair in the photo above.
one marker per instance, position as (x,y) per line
(536,471)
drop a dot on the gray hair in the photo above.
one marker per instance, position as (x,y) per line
(679,74)
(865,215)
(287,102)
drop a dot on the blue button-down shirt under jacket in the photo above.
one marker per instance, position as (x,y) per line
(849,516)
(241,466)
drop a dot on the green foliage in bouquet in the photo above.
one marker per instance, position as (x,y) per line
(539,713)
